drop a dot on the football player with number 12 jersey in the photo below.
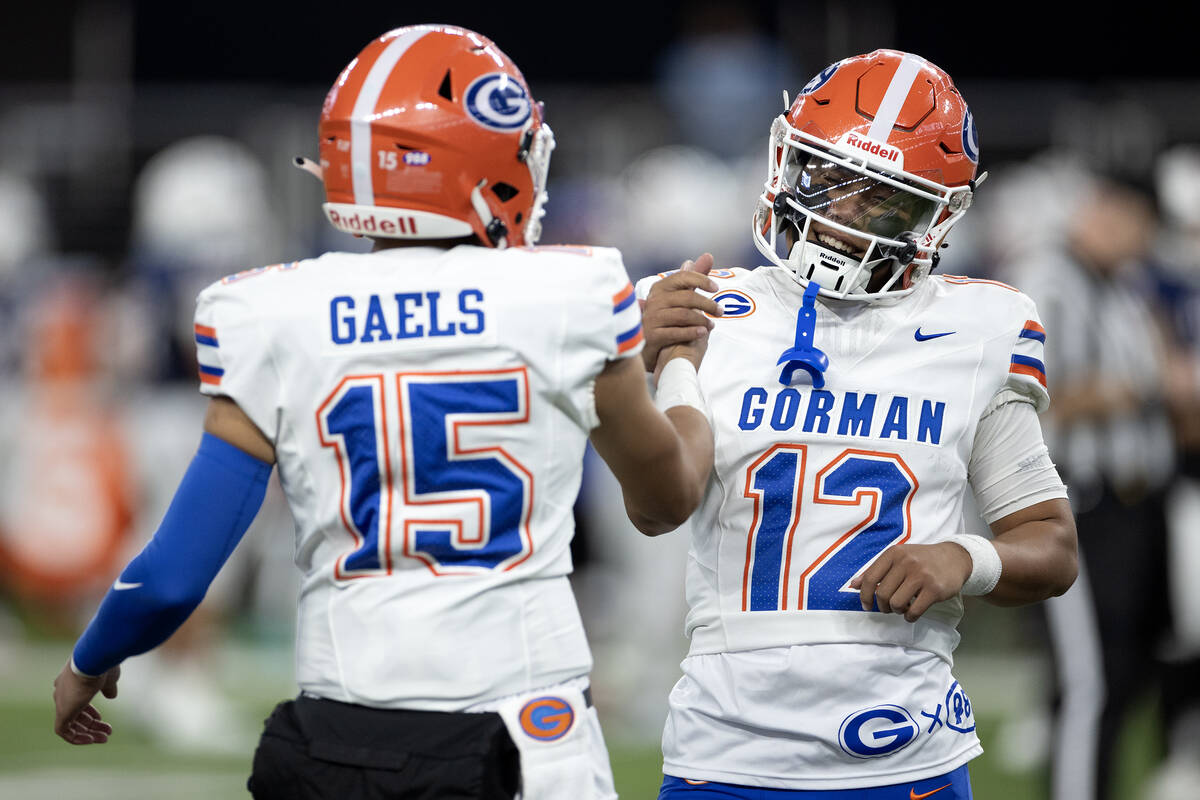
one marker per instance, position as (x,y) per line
(428,405)
(855,399)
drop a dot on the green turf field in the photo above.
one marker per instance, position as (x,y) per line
(36,764)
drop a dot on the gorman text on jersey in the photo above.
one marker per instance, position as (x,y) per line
(405,315)
(866,414)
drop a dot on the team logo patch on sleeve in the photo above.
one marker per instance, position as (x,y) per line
(546,718)
(498,102)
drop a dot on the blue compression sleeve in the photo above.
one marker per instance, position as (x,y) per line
(214,505)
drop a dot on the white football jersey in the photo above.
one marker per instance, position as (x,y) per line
(429,410)
(810,485)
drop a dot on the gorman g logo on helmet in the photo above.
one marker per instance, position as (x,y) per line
(970,137)
(546,718)
(821,78)
(498,102)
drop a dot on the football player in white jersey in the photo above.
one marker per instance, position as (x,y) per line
(428,405)
(855,399)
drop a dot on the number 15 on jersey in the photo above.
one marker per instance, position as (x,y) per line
(444,491)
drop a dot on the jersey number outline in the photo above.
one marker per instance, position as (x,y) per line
(775,483)
(482,495)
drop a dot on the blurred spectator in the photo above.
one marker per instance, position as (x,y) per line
(202,210)
(25,238)
(1109,432)
(66,492)
(1177,278)
(721,79)
(677,202)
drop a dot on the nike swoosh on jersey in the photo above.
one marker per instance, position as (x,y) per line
(912,793)
(120,585)
(924,337)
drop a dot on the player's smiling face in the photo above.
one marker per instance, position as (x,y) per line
(834,193)
(853,246)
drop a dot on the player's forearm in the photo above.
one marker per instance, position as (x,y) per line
(127,624)
(678,476)
(1039,560)
(214,505)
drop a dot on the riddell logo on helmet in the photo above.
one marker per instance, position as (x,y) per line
(368,224)
(873,147)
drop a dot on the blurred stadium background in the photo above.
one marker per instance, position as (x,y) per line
(145,150)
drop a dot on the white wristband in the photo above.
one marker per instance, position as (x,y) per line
(679,385)
(79,672)
(985,563)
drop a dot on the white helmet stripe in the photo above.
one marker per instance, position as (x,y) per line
(893,99)
(364,113)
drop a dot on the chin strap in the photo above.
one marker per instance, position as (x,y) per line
(497,232)
(309,166)
(803,355)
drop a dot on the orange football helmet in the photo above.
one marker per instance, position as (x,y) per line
(431,133)
(869,169)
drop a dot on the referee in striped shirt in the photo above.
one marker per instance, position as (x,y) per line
(1109,432)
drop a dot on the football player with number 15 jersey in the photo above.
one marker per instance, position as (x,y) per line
(428,405)
(855,399)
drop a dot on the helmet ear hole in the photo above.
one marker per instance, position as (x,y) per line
(505,191)
(444,89)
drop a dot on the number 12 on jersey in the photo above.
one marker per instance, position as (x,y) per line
(775,483)
(443,492)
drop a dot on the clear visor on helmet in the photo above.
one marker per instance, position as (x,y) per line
(855,199)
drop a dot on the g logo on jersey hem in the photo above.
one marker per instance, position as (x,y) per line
(546,718)
(877,731)
(498,102)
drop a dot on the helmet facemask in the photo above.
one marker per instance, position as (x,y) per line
(537,156)
(855,229)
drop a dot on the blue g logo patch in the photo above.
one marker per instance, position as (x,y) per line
(497,101)
(878,731)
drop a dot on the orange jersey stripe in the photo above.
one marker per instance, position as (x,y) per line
(963,280)
(1033,372)
(630,343)
(213,380)
(620,296)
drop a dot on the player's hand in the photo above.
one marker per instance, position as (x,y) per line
(674,314)
(75,718)
(909,578)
